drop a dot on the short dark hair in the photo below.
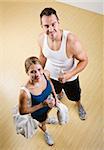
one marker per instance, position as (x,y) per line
(48,12)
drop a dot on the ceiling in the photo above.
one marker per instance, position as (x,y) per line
(91,5)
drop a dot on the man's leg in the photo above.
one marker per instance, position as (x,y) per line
(73,92)
(60,95)
(81,111)
(58,89)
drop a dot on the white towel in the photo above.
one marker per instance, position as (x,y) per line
(62,113)
(25,124)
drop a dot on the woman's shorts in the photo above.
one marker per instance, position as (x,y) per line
(40,118)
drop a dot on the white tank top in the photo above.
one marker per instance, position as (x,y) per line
(58,60)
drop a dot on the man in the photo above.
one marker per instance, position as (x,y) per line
(62,52)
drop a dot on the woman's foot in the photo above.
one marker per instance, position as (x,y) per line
(48,139)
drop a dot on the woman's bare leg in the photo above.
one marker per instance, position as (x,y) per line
(47,137)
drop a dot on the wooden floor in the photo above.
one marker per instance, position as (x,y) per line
(76,135)
(19,27)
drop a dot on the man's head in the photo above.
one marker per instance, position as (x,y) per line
(48,12)
(49,22)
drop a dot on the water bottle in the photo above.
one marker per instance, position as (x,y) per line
(60,75)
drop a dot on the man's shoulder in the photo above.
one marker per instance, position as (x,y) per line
(41,38)
(72,37)
(41,35)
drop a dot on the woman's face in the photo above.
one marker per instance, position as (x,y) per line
(35,72)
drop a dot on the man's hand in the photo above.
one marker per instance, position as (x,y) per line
(64,77)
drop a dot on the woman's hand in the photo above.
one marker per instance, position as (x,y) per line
(50,102)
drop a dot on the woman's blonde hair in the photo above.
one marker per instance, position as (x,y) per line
(30,61)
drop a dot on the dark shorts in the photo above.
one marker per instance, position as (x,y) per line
(72,89)
(40,118)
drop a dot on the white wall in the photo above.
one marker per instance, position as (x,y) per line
(91,5)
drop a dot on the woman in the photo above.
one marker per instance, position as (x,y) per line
(40,88)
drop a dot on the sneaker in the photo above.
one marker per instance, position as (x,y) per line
(48,139)
(60,96)
(82,113)
(52,120)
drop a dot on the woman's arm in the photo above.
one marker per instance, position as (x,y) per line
(23,107)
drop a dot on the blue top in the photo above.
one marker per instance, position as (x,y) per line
(37,99)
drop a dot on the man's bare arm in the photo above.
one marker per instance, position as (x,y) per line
(41,55)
